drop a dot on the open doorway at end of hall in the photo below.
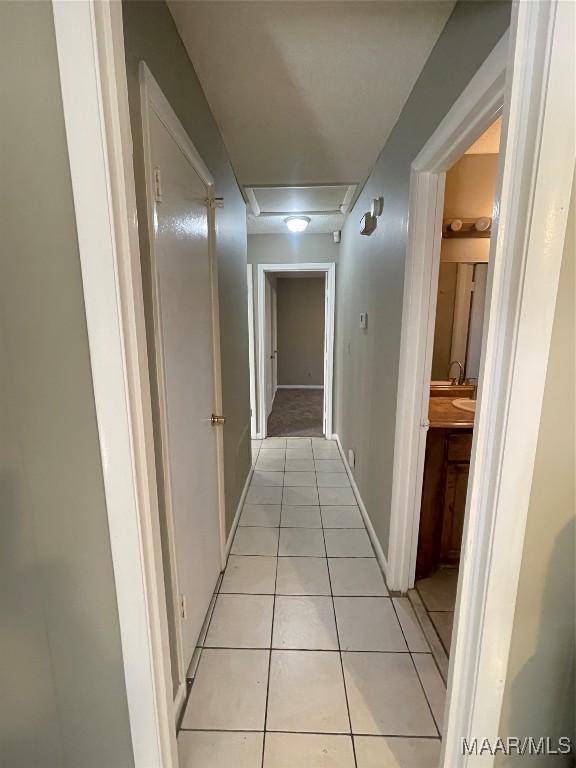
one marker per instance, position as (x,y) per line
(295,337)
(291,331)
(462,286)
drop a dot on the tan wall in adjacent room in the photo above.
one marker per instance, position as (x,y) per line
(301,331)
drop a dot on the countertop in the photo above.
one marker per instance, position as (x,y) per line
(442,414)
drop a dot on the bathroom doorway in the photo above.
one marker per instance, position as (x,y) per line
(469,198)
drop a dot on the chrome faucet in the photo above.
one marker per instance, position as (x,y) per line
(460,379)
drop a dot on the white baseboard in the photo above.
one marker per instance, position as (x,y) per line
(238,513)
(300,386)
(179,701)
(380,556)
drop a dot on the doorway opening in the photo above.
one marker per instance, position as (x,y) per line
(469,197)
(296,353)
(293,363)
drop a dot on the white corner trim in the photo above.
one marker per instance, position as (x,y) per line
(238,513)
(251,353)
(380,556)
(90,47)
(179,700)
(252,201)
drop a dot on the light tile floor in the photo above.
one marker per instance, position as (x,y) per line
(438,593)
(306,660)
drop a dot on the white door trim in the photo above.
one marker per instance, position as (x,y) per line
(474,111)
(329,268)
(251,353)
(535,178)
(90,44)
(152,99)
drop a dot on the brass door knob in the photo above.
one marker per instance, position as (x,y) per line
(216,420)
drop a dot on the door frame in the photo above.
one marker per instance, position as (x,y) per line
(329,269)
(479,105)
(153,100)
(534,182)
(90,45)
(251,353)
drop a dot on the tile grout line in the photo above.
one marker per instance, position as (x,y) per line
(271,643)
(410,653)
(339,650)
(425,694)
(306,650)
(404,636)
(311,733)
(405,640)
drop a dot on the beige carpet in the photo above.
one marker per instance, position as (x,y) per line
(296,413)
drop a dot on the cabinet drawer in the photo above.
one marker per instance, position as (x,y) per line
(459,447)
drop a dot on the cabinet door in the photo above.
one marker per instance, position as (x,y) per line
(453,514)
(430,530)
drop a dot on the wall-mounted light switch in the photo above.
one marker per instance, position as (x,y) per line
(364,320)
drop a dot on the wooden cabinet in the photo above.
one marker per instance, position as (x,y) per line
(452,390)
(444,489)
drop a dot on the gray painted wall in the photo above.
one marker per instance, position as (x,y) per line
(63,700)
(151,35)
(371,269)
(301,330)
(539,698)
(291,249)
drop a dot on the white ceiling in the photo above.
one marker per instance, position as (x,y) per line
(323,205)
(274,225)
(316,199)
(307,92)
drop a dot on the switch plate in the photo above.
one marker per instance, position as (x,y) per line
(363,320)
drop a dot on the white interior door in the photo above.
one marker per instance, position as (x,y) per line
(184,341)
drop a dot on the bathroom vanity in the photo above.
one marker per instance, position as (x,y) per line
(445,482)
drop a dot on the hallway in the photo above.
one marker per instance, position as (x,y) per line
(305,659)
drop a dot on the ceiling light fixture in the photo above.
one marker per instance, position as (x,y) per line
(297,223)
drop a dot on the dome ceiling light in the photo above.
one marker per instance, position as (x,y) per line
(297,223)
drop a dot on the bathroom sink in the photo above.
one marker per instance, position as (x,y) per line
(465,404)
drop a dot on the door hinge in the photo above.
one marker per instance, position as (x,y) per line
(183,611)
(215,202)
(157,186)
